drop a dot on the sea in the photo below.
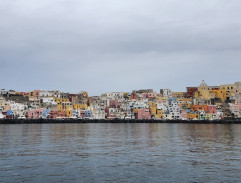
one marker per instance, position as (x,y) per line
(120,152)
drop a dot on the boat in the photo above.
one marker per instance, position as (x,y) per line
(21,117)
(1,116)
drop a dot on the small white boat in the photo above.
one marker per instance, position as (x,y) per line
(21,117)
(1,116)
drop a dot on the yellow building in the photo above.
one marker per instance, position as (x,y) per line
(205,92)
(231,90)
(208,116)
(159,114)
(126,95)
(135,110)
(161,99)
(59,108)
(67,106)
(84,94)
(185,103)
(63,104)
(68,113)
(61,100)
(179,94)
(2,103)
(228,87)
(221,93)
(153,108)
(80,106)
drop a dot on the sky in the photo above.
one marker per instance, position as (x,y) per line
(105,45)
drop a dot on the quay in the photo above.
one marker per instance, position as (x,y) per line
(39,121)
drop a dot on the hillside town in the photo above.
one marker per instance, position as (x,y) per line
(201,102)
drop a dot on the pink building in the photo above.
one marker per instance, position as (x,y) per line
(35,114)
(153,95)
(145,95)
(110,116)
(56,114)
(134,95)
(235,107)
(107,110)
(25,94)
(212,109)
(238,101)
(114,104)
(7,107)
(143,114)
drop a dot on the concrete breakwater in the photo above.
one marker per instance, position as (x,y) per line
(37,121)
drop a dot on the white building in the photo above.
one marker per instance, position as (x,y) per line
(114,95)
(4,92)
(18,109)
(174,110)
(2,103)
(104,102)
(98,114)
(166,92)
(45,94)
(17,106)
(49,100)
(140,104)
(235,110)
(163,107)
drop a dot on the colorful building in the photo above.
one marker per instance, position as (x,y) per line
(35,114)
(143,114)
(191,91)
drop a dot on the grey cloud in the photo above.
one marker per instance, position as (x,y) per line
(118,45)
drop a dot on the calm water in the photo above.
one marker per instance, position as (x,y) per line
(120,153)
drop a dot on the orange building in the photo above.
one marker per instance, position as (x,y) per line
(34,94)
(193,115)
(199,108)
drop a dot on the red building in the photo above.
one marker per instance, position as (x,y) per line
(114,104)
(212,109)
(191,91)
(134,95)
(8,115)
(56,114)
(71,97)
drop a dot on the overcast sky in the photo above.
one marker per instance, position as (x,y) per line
(107,45)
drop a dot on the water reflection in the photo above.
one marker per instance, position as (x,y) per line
(120,153)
